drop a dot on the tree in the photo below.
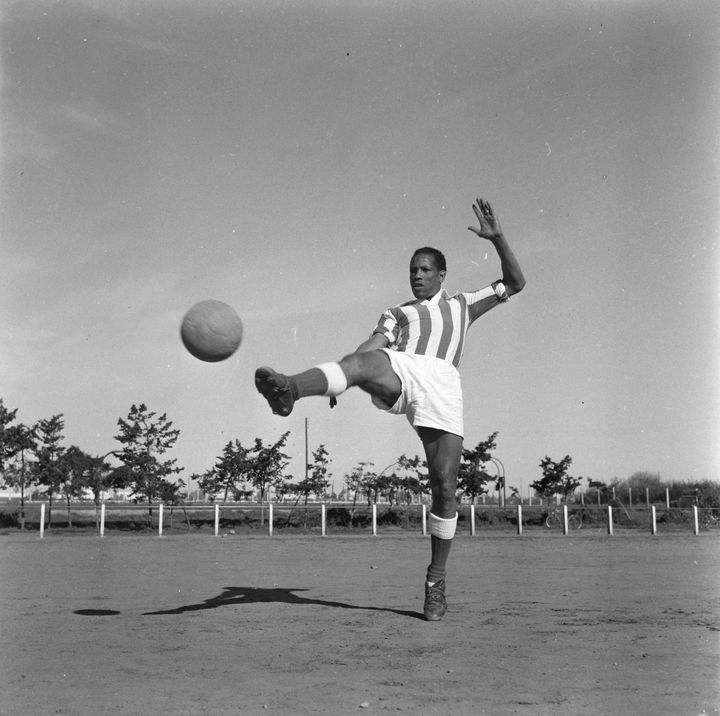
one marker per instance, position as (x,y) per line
(76,468)
(472,483)
(16,473)
(8,446)
(388,486)
(355,481)
(555,479)
(144,437)
(205,483)
(229,473)
(370,487)
(413,482)
(171,493)
(316,483)
(639,482)
(48,468)
(101,476)
(266,465)
(407,481)
(598,486)
(472,478)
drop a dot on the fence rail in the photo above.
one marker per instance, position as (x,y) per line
(324,518)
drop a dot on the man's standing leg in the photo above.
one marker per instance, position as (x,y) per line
(443,452)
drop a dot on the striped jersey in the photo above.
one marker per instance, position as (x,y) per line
(437,326)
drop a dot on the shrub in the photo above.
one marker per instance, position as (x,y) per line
(9,519)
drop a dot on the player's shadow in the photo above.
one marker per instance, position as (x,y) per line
(259,595)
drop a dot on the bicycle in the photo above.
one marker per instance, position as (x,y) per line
(555,519)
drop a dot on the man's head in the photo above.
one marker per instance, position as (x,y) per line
(427,272)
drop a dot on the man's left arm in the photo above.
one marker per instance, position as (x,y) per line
(490,229)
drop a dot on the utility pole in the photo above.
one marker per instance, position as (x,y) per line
(306,450)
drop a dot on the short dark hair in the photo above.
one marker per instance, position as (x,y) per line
(436,254)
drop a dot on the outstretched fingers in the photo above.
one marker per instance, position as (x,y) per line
(489,224)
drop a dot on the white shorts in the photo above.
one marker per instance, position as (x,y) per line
(431,393)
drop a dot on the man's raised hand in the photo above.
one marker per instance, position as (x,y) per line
(489,224)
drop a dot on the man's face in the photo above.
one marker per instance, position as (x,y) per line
(425,279)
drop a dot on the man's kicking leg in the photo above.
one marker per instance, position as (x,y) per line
(369,370)
(443,452)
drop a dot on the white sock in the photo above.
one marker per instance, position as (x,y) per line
(444,528)
(337,382)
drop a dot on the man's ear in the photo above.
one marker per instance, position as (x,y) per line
(442,275)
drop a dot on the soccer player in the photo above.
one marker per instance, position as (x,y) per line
(409,365)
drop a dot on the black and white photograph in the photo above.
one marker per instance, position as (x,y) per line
(360,357)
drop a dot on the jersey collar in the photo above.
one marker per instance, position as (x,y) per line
(441,294)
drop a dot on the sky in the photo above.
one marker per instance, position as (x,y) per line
(288,157)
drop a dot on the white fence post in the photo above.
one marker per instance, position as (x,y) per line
(696,529)
(472,520)
(217,519)
(322,520)
(565,519)
(519,519)
(270,519)
(374,519)
(42,520)
(610,520)
(424,520)
(160,519)
(667,498)
(102,520)
(654,520)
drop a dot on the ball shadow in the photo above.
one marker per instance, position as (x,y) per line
(96,612)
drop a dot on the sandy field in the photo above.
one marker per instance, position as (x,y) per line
(538,624)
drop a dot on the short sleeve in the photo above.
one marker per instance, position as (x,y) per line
(387,326)
(482,301)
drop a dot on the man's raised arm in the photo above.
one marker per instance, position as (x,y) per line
(490,229)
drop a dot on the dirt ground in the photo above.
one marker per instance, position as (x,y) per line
(196,624)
